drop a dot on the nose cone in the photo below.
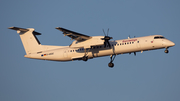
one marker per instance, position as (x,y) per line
(170,44)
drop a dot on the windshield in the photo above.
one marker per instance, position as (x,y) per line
(159,37)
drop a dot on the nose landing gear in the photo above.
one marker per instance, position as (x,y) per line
(112,57)
(166,51)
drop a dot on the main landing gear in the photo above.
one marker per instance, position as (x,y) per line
(166,51)
(85,57)
(112,57)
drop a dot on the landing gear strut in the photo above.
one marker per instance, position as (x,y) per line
(85,57)
(112,57)
(166,51)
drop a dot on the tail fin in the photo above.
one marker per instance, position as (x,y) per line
(28,37)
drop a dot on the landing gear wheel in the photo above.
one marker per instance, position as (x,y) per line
(166,51)
(85,58)
(112,57)
(111,65)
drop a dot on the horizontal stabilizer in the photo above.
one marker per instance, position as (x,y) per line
(24,30)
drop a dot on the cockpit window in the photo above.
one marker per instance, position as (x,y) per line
(159,37)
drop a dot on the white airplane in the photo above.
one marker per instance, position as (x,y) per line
(87,47)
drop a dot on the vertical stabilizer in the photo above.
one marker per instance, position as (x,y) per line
(28,37)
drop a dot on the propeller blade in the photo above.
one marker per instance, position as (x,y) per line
(129,37)
(107,31)
(104,33)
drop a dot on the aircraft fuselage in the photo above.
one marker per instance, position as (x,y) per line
(131,45)
(87,47)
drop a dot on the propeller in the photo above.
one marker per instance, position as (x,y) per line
(106,38)
(129,37)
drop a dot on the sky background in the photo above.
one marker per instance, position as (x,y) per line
(148,76)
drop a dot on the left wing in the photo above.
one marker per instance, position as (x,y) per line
(74,35)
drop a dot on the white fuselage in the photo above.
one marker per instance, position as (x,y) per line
(68,53)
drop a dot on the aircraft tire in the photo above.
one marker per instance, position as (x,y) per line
(111,65)
(85,58)
(166,51)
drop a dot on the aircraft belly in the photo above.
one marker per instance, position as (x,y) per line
(56,55)
(98,53)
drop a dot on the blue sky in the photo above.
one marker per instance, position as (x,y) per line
(148,76)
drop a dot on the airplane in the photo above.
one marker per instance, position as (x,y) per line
(86,47)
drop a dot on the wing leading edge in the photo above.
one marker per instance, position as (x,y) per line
(74,35)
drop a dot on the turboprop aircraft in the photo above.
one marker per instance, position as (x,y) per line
(86,47)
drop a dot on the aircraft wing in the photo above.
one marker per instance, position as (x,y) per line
(74,35)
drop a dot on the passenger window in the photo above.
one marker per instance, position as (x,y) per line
(132,42)
(129,42)
(122,43)
(137,41)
